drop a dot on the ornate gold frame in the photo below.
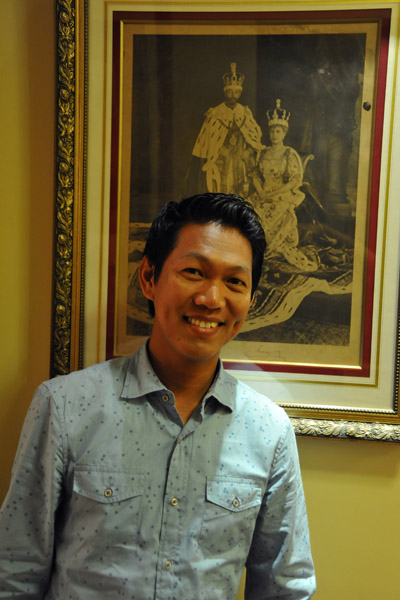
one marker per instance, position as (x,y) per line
(69,239)
(70,236)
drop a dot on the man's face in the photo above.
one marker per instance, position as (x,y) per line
(232,95)
(202,295)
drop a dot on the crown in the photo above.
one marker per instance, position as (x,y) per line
(278,115)
(233,79)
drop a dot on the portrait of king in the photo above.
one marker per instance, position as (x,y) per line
(229,140)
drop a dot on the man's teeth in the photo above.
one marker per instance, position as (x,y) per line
(204,324)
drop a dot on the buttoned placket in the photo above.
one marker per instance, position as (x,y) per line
(174,507)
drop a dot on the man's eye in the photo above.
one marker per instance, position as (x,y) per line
(237,282)
(192,271)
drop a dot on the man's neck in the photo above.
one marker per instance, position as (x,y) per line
(188,380)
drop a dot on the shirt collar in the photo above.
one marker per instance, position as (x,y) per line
(141,380)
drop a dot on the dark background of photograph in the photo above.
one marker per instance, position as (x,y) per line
(176,79)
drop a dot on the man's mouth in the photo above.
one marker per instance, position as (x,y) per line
(203,324)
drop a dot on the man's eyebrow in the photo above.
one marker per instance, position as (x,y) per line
(207,261)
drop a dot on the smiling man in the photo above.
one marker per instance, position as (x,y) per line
(161,476)
(201,299)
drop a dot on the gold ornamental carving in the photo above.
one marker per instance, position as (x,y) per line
(379,432)
(64,210)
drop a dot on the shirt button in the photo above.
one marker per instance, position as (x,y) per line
(108,492)
(174,501)
(165,397)
(236,502)
(168,564)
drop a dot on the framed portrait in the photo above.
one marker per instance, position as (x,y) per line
(308,138)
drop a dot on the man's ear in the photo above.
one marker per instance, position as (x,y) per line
(146,278)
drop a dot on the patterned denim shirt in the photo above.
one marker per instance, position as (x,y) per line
(113,497)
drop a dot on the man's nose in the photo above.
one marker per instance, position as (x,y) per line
(210,296)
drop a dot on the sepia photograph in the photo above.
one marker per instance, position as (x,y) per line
(282,114)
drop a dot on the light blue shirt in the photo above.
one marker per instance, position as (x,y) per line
(113,497)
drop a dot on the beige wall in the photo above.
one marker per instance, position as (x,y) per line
(352,487)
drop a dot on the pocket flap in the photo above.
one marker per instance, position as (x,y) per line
(106,485)
(235,495)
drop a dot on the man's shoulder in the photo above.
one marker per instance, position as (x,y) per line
(247,398)
(247,110)
(97,375)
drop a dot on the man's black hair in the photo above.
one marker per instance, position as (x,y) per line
(228,210)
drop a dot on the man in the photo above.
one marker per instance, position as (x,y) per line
(229,140)
(160,476)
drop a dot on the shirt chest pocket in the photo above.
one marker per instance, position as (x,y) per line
(106,485)
(230,512)
(105,509)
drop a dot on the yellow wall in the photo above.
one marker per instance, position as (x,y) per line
(352,487)
(26,217)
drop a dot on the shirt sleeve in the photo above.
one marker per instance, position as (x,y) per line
(279,563)
(28,513)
